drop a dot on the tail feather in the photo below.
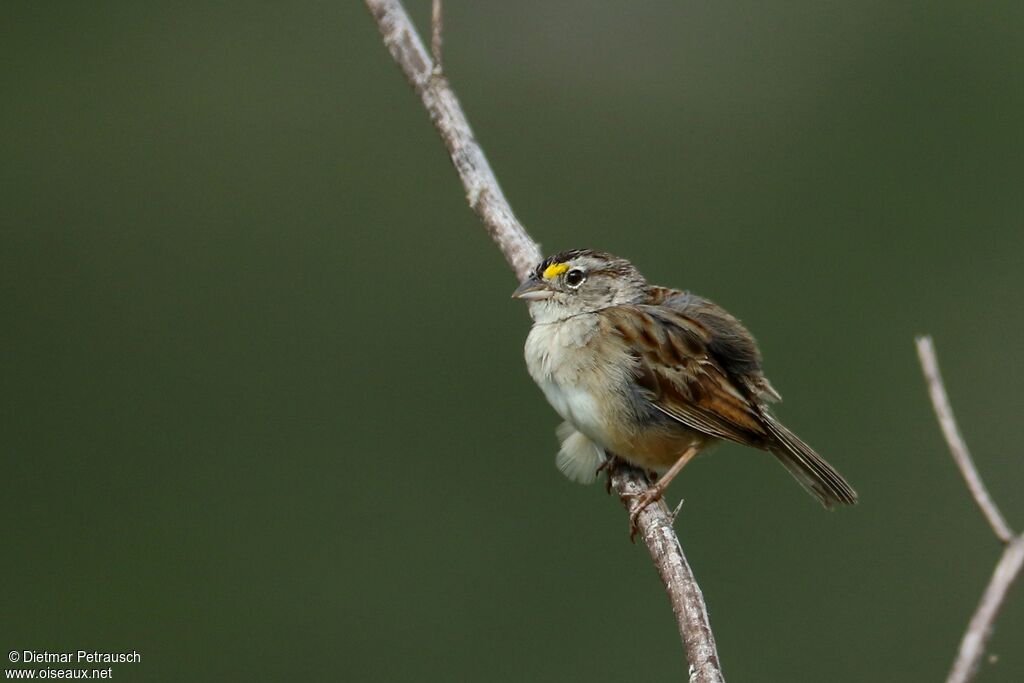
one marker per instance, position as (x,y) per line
(819,478)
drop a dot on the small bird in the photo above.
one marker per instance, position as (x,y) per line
(651,375)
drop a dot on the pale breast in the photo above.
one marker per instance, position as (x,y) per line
(580,375)
(587,377)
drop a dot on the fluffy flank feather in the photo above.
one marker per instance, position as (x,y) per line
(579,457)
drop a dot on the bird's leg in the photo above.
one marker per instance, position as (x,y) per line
(606,466)
(657,489)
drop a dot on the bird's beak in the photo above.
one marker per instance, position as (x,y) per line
(533,289)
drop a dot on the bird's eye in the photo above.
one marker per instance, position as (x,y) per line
(574,278)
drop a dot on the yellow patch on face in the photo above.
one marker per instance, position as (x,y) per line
(554,270)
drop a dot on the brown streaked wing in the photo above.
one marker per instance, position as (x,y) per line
(730,343)
(683,380)
(659,295)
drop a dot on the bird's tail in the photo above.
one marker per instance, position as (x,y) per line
(819,478)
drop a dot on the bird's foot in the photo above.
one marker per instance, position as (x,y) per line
(640,501)
(606,467)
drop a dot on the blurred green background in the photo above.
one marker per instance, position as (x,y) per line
(265,414)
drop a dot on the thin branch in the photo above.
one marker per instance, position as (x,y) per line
(486,198)
(655,527)
(979,630)
(972,646)
(482,190)
(957,446)
(437,30)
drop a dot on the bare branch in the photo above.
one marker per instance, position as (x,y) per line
(437,29)
(957,446)
(486,198)
(655,526)
(972,646)
(482,190)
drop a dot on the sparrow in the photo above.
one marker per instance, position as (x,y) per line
(651,375)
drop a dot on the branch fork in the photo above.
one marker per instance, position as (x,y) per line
(979,630)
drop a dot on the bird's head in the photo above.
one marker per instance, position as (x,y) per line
(580,281)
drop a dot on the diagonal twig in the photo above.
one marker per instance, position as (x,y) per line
(483,193)
(957,446)
(436,33)
(486,198)
(972,646)
(979,630)
(655,527)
